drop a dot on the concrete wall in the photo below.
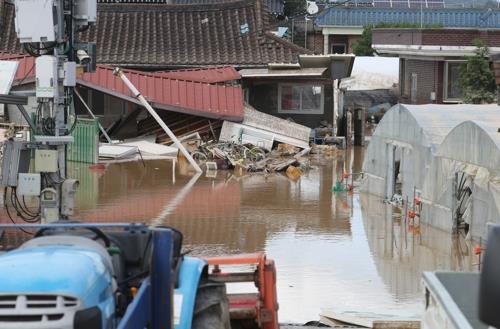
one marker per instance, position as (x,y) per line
(264,97)
(315,42)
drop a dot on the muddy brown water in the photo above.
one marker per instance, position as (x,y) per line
(332,250)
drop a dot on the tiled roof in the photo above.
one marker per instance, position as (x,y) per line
(207,75)
(192,96)
(274,6)
(159,36)
(469,18)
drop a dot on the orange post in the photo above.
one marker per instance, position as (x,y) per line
(270,296)
(265,281)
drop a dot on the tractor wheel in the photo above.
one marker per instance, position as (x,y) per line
(211,309)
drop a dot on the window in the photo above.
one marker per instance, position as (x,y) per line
(452,90)
(338,48)
(300,98)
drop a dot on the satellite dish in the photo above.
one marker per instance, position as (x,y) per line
(312,7)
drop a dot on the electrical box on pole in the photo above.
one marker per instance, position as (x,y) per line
(46,82)
(49,30)
(85,12)
(35,21)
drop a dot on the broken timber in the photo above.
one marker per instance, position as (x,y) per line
(118,72)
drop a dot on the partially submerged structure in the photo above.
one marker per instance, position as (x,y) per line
(205,94)
(403,145)
(304,92)
(462,187)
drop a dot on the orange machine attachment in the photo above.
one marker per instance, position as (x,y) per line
(257,310)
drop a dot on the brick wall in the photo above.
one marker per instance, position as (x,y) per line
(315,42)
(460,37)
(429,79)
(435,37)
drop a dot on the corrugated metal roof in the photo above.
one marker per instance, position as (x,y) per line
(207,75)
(26,68)
(475,18)
(184,96)
(196,98)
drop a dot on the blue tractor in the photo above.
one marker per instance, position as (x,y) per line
(103,276)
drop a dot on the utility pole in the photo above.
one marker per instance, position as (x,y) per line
(421,16)
(305,32)
(48,30)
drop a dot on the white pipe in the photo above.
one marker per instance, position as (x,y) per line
(118,72)
(93,116)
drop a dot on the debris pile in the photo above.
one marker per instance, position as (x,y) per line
(325,150)
(227,155)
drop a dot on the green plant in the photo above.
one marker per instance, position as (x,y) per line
(294,7)
(477,80)
(363,47)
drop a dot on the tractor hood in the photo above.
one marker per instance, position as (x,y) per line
(73,266)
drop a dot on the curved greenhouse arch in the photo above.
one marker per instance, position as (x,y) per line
(463,183)
(406,140)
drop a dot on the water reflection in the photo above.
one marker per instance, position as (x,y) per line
(403,248)
(332,250)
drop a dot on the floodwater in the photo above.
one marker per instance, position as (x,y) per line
(332,250)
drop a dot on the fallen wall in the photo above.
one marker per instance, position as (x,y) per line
(263,130)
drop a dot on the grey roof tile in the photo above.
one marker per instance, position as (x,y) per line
(164,36)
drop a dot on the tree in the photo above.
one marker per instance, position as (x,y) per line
(477,80)
(294,7)
(363,47)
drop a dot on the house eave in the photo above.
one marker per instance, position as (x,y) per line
(429,51)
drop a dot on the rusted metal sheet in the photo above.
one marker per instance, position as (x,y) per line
(26,67)
(185,96)
(207,75)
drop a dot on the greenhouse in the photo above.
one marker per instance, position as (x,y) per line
(462,187)
(405,141)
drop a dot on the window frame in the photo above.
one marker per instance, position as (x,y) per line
(301,111)
(447,99)
(336,44)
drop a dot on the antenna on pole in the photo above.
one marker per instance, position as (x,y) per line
(421,15)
